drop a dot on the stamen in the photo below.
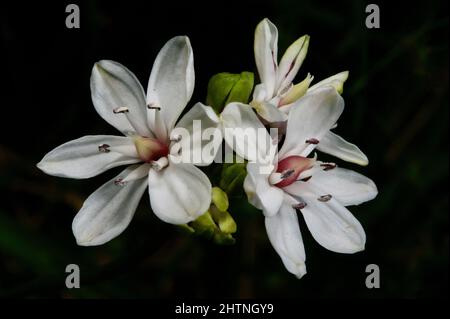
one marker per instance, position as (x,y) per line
(175,138)
(153,106)
(122,109)
(285,174)
(159,164)
(314,141)
(104,148)
(299,205)
(324,198)
(328,166)
(119,182)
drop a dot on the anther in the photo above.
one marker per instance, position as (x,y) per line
(175,138)
(159,164)
(314,141)
(104,148)
(119,182)
(122,109)
(324,198)
(287,173)
(153,106)
(328,166)
(305,179)
(299,205)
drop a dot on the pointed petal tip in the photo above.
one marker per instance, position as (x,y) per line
(301,272)
(362,161)
(101,64)
(42,166)
(183,39)
(265,21)
(359,247)
(81,238)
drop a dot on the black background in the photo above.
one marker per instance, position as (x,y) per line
(396,111)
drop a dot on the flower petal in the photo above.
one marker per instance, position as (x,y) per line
(331,224)
(108,211)
(260,192)
(179,193)
(284,234)
(270,113)
(194,128)
(119,98)
(311,118)
(337,81)
(89,156)
(348,187)
(291,61)
(170,85)
(266,51)
(335,145)
(245,133)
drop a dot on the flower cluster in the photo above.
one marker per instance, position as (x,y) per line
(280,178)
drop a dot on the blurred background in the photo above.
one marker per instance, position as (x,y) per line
(396,112)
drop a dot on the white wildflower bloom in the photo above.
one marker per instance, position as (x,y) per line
(179,192)
(276,95)
(320,191)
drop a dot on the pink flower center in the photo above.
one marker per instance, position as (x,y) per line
(291,167)
(150,149)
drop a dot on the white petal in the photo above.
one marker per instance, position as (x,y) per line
(171,84)
(291,61)
(270,112)
(81,158)
(108,211)
(113,88)
(348,187)
(260,192)
(245,133)
(284,234)
(311,118)
(196,140)
(335,145)
(179,193)
(337,81)
(259,93)
(331,224)
(266,51)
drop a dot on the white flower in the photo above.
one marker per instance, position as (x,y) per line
(275,96)
(320,191)
(179,193)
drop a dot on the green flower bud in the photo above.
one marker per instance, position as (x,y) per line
(224,220)
(204,225)
(224,88)
(220,199)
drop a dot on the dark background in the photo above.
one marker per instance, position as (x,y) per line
(396,111)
